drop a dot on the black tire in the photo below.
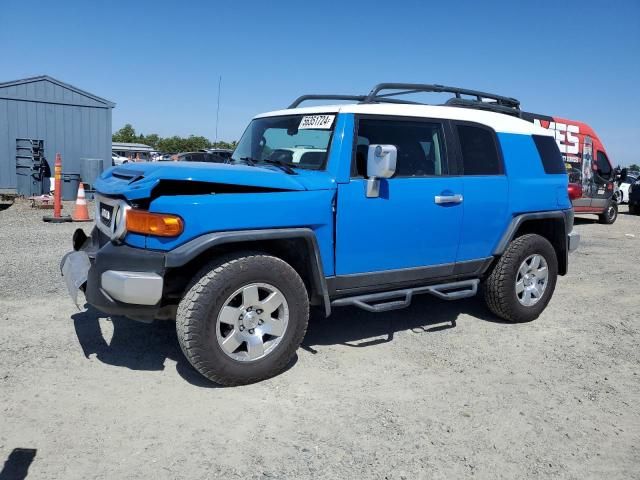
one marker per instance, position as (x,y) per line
(610,214)
(499,288)
(198,312)
(633,210)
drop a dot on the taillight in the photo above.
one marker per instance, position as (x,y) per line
(158,224)
(575,191)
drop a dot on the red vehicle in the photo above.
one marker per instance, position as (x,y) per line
(591,176)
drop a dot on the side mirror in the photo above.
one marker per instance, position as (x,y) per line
(381,163)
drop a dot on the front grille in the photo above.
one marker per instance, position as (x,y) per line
(106,214)
(111,216)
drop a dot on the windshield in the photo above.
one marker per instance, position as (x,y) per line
(298,141)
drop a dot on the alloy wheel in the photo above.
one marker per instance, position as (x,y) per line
(531,280)
(252,322)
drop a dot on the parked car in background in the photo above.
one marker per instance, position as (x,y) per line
(302,156)
(118,159)
(634,198)
(591,175)
(197,157)
(622,193)
(220,152)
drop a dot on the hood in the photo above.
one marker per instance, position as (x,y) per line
(137,180)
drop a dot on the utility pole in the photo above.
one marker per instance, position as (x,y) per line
(218,109)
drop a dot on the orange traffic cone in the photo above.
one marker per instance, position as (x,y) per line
(81,212)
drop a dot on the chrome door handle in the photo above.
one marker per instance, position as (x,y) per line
(442,199)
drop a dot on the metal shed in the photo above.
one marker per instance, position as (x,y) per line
(42,116)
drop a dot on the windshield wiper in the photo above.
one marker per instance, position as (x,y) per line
(279,163)
(248,160)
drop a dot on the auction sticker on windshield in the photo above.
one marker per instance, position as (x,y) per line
(316,121)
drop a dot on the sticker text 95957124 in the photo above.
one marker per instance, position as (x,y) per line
(316,121)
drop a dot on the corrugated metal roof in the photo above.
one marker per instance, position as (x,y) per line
(62,84)
(130,146)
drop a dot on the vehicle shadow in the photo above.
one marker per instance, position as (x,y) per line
(136,345)
(140,346)
(358,328)
(16,466)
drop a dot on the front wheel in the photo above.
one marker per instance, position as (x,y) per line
(610,214)
(243,318)
(522,282)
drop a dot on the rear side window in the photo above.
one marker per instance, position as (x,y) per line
(604,167)
(479,151)
(549,154)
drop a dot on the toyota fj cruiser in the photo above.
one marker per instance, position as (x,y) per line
(363,204)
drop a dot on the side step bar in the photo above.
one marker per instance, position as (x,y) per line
(375,302)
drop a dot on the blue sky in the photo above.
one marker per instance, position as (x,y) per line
(160,60)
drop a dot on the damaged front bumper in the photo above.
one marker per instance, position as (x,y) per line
(116,279)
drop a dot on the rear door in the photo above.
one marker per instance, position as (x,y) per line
(411,231)
(485,189)
(603,186)
(580,172)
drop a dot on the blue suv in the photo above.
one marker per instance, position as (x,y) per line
(365,204)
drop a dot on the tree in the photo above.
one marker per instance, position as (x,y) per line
(634,167)
(227,145)
(151,140)
(175,144)
(126,134)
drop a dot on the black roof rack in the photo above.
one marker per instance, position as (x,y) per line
(482,100)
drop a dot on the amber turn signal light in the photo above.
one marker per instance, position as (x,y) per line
(158,224)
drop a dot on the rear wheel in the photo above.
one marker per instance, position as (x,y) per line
(243,318)
(522,282)
(610,214)
(633,210)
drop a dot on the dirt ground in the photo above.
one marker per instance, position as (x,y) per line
(439,390)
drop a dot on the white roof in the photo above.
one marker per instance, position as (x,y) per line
(134,147)
(500,122)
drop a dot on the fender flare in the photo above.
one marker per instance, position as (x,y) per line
(567,221)
(190,250)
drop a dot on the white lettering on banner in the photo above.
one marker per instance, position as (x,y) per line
(567,143)
(572,140)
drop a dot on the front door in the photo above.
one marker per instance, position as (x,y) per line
(411,231)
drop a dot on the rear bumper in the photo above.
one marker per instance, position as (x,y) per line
(120,280)
(573,241)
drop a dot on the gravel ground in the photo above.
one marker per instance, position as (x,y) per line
(439,390)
